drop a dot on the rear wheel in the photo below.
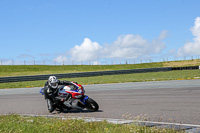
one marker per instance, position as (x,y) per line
(91,105)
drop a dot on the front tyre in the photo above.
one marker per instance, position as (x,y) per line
(91,105)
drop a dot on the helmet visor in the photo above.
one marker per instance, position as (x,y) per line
(54,85)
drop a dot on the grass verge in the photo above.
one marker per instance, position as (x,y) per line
(137,77)
(22,70)
(21,124)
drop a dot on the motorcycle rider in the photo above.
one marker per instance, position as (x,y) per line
(51,92)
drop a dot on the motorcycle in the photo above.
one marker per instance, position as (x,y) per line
(78,99)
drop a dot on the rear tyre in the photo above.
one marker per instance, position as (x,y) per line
(91,105)
(50,105)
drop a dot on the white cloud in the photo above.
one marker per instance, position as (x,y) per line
(163,35)
(87,51)
(192,48)
(60,59)
(126,46)
(96,63)
(134,46)
(196,29)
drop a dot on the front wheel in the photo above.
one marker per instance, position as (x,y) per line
(91,105)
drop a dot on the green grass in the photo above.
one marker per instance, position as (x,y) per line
(22,70)
(22,124)
(137,77)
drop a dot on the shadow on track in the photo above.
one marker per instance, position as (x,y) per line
(74,111)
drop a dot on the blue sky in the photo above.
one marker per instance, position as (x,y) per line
(98,31)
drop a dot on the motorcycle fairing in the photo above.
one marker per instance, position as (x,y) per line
(84,99)
(76,93)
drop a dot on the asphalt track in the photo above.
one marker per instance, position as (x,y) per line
(159,101)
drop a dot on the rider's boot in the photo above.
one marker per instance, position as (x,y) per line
(50,105)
